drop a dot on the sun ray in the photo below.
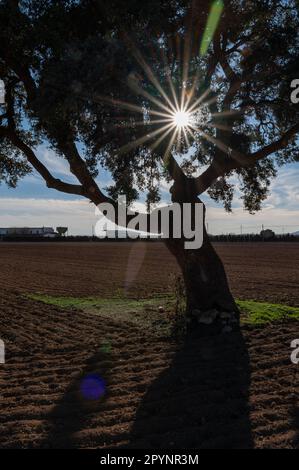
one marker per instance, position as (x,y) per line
(231,112)
(179,140)
(186,137)
(141,91)
(182,117)
(192,90)
(221,127)
(179,117)
(186,61)
(199,101)
(142,140)
(216,142)
(130,107)
(143,123)
(167,151)
(169,79)
(213,125)
(150,74)
(160,139)
(189,131)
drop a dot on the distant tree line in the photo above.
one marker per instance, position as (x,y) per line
(214,238)
(288,237)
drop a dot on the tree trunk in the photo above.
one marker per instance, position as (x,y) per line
(210,306)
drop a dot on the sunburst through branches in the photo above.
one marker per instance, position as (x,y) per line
(175,113)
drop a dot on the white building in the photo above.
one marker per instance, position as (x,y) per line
(28,231)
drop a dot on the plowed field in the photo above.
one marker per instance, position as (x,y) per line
(238,390)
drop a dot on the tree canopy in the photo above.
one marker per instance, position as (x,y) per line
(93,79)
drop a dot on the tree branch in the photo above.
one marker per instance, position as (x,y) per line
(79,169)
(50,180)
(238,160)
(214,171)
(279,144)
(207,178)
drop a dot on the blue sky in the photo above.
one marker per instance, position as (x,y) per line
(33,204)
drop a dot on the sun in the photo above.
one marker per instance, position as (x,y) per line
(181,119)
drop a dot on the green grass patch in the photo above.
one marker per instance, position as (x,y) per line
(145,312)
(99,303)
(261,313)
(84,302)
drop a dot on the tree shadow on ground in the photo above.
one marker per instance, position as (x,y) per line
(201,400)
(295,426)
(84,398)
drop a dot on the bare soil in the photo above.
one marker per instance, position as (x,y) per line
(238,390)
(258,271)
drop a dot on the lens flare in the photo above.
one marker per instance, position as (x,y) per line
(93,387)
(212,24)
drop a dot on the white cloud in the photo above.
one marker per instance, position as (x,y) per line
(55,163)
(78,215)
(278,219)
(280,210)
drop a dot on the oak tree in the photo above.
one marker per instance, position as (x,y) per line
(101,82)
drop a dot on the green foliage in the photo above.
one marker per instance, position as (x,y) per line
(74,62)
(223,191)
(12,166)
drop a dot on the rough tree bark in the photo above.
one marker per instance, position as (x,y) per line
(210,306)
